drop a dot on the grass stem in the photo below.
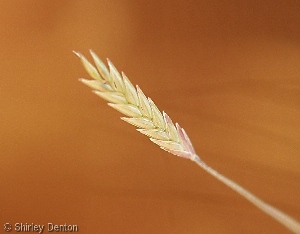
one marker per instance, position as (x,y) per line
(281,217)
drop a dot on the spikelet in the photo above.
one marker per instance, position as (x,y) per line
(141,111)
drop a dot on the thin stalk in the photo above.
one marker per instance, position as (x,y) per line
(281,217)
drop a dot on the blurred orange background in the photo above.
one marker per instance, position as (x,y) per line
(228,72)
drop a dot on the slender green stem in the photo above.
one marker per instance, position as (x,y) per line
(281,217)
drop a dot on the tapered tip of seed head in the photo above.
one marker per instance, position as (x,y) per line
(150,101)
(84,81)
(110,64)
(94,55)
(77,53)
(165,115)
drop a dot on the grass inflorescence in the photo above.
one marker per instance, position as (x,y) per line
(141,112)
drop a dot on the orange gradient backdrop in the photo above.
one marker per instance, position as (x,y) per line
(228,72)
